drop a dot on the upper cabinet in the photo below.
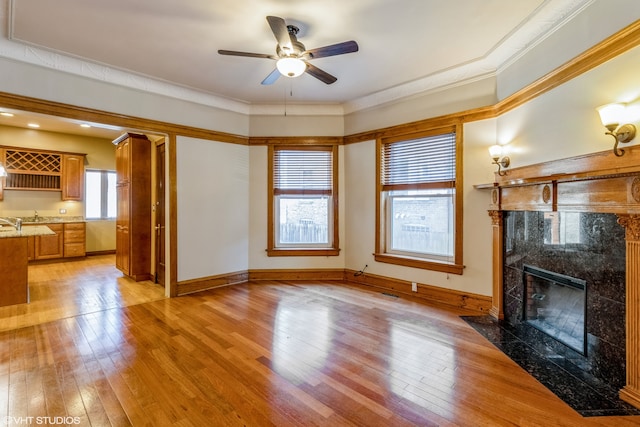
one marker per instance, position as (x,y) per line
(72,184)
(31,169)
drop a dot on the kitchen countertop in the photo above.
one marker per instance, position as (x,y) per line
(29,220)
(7,231)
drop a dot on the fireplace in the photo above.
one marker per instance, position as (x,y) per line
(555,304)
(542,277)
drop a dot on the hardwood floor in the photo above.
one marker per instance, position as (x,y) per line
(63,289)
(257,354)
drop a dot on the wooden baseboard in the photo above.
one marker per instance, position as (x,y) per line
(197,285)
(450,297)
(107,252)
(630,395)
(306,274)
(469,301)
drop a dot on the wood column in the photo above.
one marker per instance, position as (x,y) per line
(497,306)
(631,391)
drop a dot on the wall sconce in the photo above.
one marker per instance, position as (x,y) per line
(611,115)
(495,151)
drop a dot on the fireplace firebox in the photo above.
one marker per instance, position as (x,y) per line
(556,305)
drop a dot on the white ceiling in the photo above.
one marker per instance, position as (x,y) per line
(405,45)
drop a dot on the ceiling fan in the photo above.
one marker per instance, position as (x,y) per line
(291,55)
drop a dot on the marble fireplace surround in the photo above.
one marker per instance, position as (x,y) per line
(598,183)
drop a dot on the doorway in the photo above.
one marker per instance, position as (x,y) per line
(160,226)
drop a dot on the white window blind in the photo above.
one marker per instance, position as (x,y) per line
(303,172)
(423,163)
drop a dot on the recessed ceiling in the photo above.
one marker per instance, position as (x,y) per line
(177,42)
(404,46)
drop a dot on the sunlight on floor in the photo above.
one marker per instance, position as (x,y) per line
(59,290)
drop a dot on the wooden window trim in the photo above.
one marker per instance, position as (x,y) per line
(272,249)
(455,267)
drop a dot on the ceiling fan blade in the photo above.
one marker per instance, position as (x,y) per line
(319,74)
(249,54)
(271,78)
(334,49)
(280,31)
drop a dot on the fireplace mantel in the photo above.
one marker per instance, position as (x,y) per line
(599,182)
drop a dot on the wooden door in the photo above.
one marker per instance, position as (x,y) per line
(122,229)
(123,157)
(160,215)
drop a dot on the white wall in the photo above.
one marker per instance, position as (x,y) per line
(213,208)
(291,125)
(449,100)
(45,83)
(599,20)
(564,122)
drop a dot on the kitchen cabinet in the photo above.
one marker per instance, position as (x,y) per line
(133,192)
(74,238)
(14,288)
(14,280)
(68,241)
(41,170)
(72,182)
(50,247)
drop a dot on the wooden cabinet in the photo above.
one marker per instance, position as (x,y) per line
(49,247)
(41,170)
(14,288)
(74,239)
(72,181)
(69,241)
(31,248)
(133,222)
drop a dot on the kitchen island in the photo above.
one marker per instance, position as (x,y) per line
(14,283)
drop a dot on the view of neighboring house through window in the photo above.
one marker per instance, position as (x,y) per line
(303,200)
(419,203)
(100,197)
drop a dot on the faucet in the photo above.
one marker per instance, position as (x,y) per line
(35,216)
(17,225)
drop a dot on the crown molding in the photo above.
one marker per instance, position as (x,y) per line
(550,16)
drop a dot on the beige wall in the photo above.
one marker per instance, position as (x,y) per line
(213,208)
(100,155)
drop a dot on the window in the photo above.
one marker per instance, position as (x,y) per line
(419,201)
(100,197)
(303,201)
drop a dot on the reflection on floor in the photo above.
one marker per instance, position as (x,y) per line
(584,393)
(58,290)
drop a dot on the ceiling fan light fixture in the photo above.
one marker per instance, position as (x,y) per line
(290,66)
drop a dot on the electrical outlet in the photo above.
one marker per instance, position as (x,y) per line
(414,287)
(62,211)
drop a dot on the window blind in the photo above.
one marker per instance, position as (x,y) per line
(429,161)
(303,171)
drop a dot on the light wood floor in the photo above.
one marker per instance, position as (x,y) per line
(258,354)
(63,289)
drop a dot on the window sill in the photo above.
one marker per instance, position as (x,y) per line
(303,252)
(420,263)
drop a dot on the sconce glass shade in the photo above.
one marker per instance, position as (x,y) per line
(611,115)
(290,66)
(495,151)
